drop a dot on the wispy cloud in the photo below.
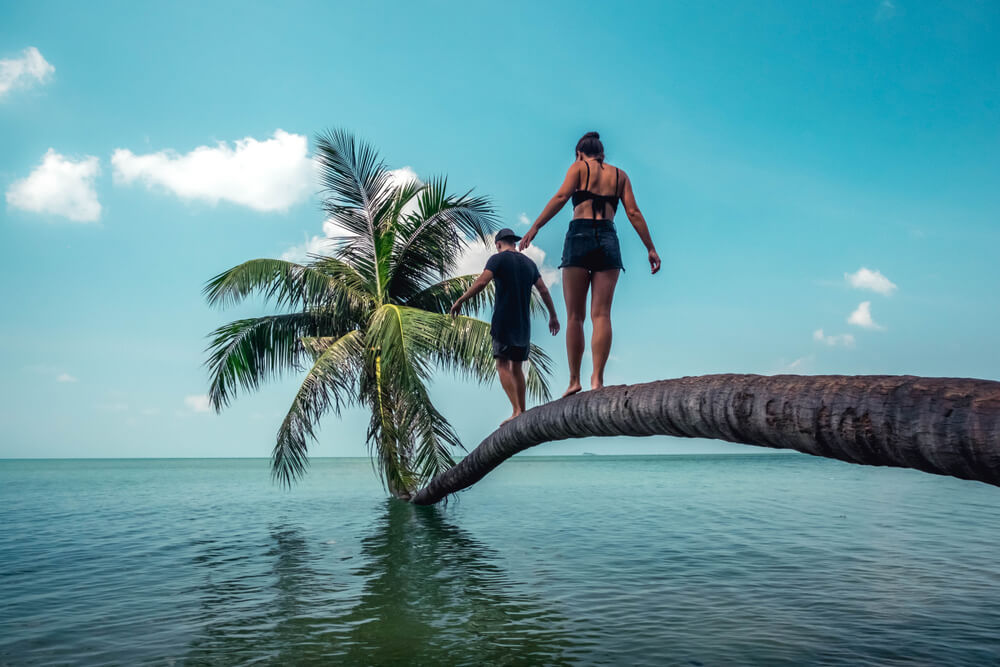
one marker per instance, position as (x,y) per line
(30,68)
(523,220)
(867,279)
(862,317)
(269,175)
(886,10)
(800,365)
(198,403)
(59,186)
(66,377)
(845,340)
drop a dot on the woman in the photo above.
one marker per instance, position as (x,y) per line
(591,258)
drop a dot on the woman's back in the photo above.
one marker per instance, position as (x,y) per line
(599,188)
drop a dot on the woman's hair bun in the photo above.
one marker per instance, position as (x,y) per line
(591,146)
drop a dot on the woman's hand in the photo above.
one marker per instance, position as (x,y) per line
(527,238)
(654,261)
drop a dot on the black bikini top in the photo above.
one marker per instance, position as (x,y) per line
(598,201)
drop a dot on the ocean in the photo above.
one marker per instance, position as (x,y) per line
(667,560)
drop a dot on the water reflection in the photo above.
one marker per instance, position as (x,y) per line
(426,592)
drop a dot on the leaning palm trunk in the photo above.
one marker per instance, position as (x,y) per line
(947,426)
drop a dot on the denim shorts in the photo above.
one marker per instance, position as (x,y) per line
(592,245)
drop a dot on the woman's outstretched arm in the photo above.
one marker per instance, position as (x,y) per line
(555,204)
(639,222)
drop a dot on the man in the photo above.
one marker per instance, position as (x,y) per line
(513,275)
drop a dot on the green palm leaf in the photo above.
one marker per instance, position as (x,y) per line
(288,284)
(247,352)
(329,384)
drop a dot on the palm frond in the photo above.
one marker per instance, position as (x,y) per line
(287,284)
(357,195)
(329,384)
(438,297)
(405,340)
(536,373)
(247,352)
(432,437)
(430,242)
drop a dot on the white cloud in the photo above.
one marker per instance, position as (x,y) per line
(149,412)
(871,280)
(862,316)
(61,187)
(30,68)
(523,220)
(66,377)
(268,175)
(198,403)
(846,339)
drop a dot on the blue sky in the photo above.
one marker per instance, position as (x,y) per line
(776,149)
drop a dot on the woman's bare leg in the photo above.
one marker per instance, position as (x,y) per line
(601,294)
(576,282)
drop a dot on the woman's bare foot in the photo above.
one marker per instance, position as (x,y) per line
(512,417)
(574,388)
(596,383)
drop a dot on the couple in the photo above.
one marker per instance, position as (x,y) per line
(591,261)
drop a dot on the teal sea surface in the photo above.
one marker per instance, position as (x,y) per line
(668,560)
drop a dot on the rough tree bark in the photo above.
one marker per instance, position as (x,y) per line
(947,426)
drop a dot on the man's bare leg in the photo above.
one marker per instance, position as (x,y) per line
(517,370)
(576,282)
(509,384)
(602,292)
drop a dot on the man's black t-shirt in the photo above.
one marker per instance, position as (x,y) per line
(513,276)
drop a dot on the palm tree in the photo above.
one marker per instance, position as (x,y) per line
(947,426)
(368,322)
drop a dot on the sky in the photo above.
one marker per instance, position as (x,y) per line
(820,180)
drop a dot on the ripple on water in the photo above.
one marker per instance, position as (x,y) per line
(594,560)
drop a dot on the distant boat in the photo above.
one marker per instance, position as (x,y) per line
(588,454)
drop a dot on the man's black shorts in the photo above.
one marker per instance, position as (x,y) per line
(509,352)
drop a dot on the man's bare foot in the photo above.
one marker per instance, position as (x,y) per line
(596,384)
(574,388)
(512,417)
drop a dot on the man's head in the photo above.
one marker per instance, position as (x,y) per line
(506,239)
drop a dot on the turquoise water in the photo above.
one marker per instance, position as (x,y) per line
(769,560)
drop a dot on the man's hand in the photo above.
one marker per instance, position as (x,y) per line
(654,261)
(553,325)
(455,308)
(526,240)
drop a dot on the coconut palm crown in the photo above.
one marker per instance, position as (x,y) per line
(368,322)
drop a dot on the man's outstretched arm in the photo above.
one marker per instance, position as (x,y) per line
(475,288)
(547,299)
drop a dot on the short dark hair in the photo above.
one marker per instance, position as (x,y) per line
(591,146)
